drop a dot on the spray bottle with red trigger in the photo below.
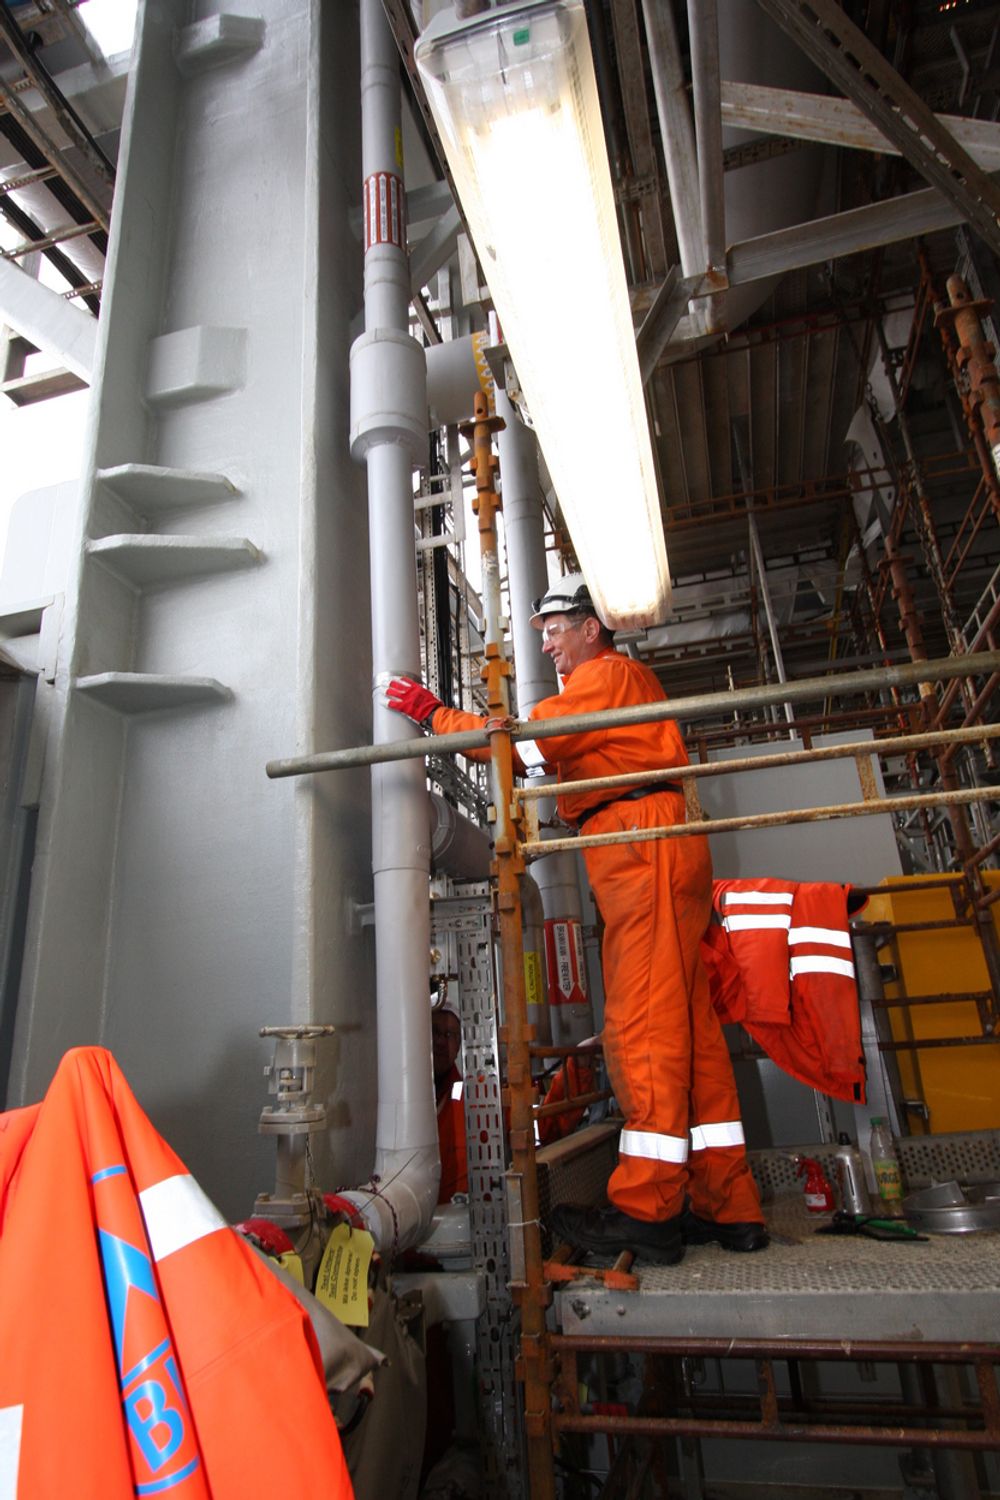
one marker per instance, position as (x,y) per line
(819,1193)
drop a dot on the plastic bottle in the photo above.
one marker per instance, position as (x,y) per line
(819,1193)
(850,1176)
(885,1163)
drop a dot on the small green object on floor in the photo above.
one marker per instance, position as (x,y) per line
(871,1228)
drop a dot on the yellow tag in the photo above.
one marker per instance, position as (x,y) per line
(533,978)
(292,1263)
(342,1282)
(399,148)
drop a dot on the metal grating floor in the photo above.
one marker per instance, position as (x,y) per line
(806,1286)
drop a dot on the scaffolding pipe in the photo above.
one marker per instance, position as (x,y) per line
(388,433)
(531,1294)
(700,706)
(897,745)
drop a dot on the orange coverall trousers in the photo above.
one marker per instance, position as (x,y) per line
(666,1053)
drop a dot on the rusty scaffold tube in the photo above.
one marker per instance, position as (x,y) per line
(533,1294)
(979,391)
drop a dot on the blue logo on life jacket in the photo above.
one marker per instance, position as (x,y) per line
(163,1446)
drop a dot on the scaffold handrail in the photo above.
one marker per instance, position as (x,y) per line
(534,848)
(897,745)
(700,706)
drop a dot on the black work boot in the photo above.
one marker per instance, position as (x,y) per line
(750,1235)
(607,1231)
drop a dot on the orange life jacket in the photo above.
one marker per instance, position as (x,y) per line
(146,1349)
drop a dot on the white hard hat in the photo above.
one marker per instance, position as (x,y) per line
(569,595)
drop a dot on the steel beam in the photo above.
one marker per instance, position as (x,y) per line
(47,320)
(668,307)
(838,122)
(855,65)
(703,26)
(631,70)
(901,218)
(432,252)
(69,121)
(677,131)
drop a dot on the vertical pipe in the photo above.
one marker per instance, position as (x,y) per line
(772,625)
(388,401)
(527,579)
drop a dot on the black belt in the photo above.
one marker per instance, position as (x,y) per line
(633,796)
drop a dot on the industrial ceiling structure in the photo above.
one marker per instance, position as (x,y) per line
(769,396)
(795,184)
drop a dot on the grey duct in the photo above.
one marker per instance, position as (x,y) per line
(389,432)
(458,847)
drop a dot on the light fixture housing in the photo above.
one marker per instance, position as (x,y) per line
(515,99)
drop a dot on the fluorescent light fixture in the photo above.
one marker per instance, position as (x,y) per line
(515,99)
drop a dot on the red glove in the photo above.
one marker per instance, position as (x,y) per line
(413,700)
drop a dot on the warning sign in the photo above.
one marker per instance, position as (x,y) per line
(342,1282)
(565,963)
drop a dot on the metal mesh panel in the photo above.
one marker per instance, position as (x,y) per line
(468,925)
(970,1157)
(580,1176)
(973,1156)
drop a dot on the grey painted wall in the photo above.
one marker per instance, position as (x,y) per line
(859,850)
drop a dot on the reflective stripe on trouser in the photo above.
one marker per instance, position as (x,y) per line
(667,1057)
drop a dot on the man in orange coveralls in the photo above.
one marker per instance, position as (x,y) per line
(665,1051)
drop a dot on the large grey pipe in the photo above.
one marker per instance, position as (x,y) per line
(389,432)
(524,534)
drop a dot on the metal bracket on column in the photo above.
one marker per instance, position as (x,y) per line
(856,66)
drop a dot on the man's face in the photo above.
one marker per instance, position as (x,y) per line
(569,640)
(446,1038)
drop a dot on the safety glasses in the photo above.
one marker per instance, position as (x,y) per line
(556,629)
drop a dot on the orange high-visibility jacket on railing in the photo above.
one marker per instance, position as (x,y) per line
(781,965)
(146,1349)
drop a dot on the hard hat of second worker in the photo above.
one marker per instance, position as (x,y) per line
(569,595)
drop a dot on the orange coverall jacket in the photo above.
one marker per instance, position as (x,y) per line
(666,1054)
(146,1349)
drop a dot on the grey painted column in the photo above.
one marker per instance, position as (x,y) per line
(179,900)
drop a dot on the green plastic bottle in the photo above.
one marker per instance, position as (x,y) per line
(885,1163)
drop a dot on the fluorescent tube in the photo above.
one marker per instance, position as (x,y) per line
(515,99)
